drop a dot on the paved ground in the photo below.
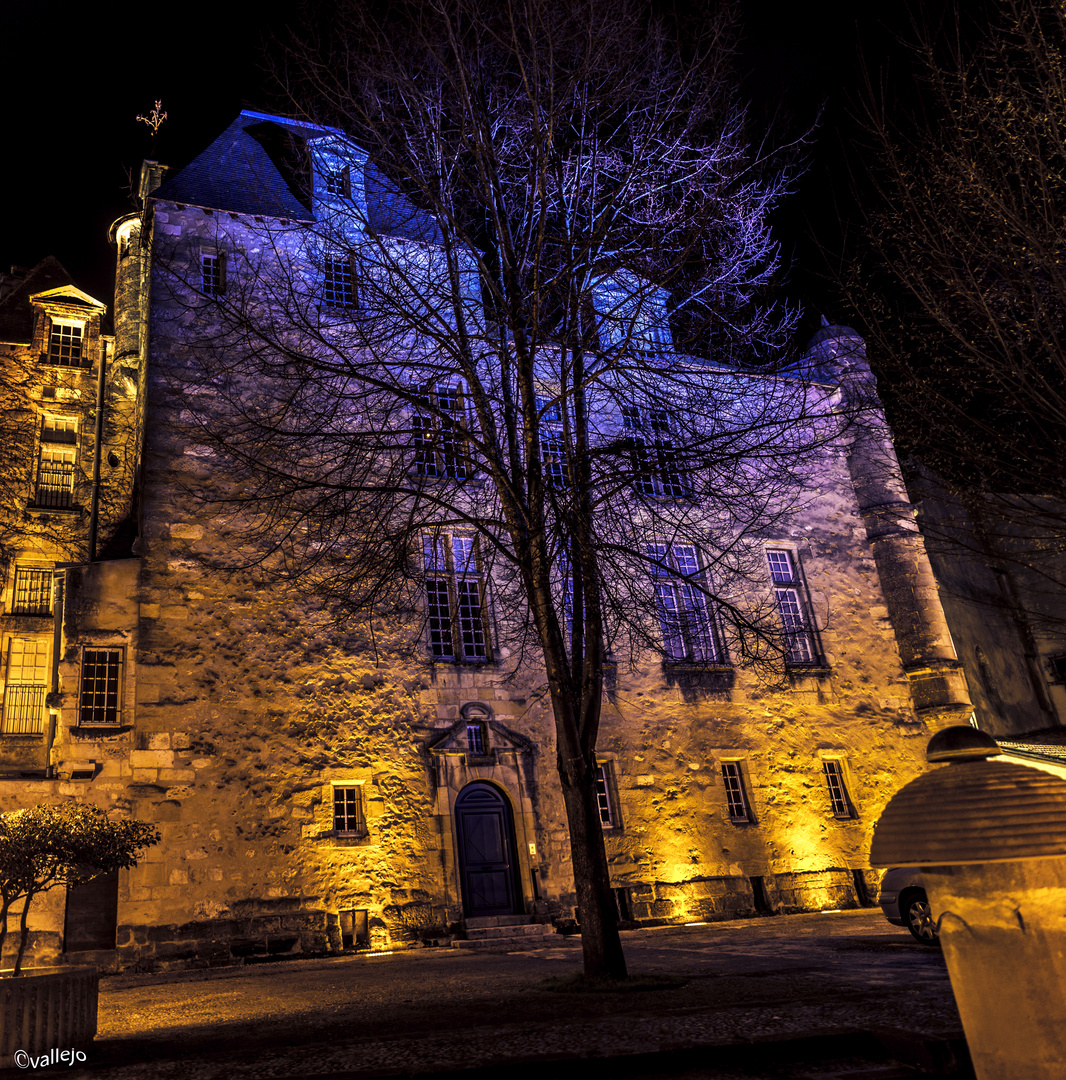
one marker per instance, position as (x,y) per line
(820,996)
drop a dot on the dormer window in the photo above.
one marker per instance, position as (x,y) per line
(65,343)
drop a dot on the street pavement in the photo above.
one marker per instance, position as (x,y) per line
(820,996)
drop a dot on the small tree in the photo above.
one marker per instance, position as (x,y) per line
(45,846)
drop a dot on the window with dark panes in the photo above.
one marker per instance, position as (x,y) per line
(655,459)
(454,597)
(603,797)
(212,277)
(33,591)
(839,799)
(736,796)
(800,643)
(439,435)
(553,444)
(100,686)
(685,618)
(348,817)
(338,286)
(65,345)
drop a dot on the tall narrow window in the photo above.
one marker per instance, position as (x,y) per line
(212,274)
(335,180)
(439,431)
(100,686)
(735,795)
(800,644)
(656,466)
(348,819)
(839,799)
(65,344)
(688,626)
(26,686)
(454,598)
(553,444)
(33,591)
(338,287)
(475,738)
(603,797)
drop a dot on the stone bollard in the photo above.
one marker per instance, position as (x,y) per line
(990,839)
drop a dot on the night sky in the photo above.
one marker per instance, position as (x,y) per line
(76,75)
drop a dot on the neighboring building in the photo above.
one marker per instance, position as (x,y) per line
(323,787)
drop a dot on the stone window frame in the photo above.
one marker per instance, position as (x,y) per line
(57,462)
(607,796)
(692,621)
(339,287)
(212,272)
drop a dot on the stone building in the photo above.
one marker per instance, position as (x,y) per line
(323,787)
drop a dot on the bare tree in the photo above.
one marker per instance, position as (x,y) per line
(959,280)
(531,327)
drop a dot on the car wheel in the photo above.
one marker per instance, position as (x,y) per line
(919,919)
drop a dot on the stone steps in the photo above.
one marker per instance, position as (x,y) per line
(504,931)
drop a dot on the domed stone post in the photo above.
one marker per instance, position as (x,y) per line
(937,683)
(990,838)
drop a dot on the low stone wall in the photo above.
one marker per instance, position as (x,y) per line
(816,890)
(699,900)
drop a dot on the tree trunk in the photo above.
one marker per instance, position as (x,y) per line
(23,933)
(600,943)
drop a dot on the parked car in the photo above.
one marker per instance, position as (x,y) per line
(904,902)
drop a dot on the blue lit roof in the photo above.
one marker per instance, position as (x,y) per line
(258,166)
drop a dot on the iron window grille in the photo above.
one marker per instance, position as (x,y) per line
(800,644)
(66,344)
(100,687)
(33,591)
(55,478)
(838,790)
(736,796)
(656,466)
(348,819)
(338,286)
(441,448)
(454,598)
(603,797)
(212,275)
(689,631)
(26,686)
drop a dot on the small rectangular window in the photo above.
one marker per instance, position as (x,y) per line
(603,797)
(736,797)
(26,686)
(475,738)
(338,289)
(33,591)
(100,686)
(348,817)
(335,181)
(838,791)
(65,344)
(212,277)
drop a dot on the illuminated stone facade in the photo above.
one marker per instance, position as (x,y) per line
(315,785)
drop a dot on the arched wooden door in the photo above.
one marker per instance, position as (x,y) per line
(487,863)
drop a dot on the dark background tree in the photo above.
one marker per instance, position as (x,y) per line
(487,354)
(958,277)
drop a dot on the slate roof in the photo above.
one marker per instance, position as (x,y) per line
(1047,743)
(16,312)
(259,166)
